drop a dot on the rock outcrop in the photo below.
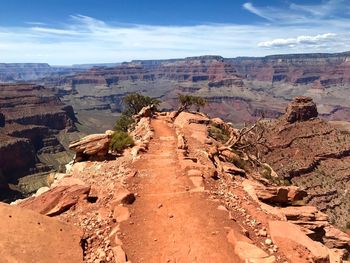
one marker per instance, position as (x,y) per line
(57,200)
(315,156)
(92,146)
(301,109)
(280,195)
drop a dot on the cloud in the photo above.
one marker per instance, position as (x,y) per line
(84,39)
(301,13)
(249,6)
(300,40)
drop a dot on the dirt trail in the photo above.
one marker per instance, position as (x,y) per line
(173,220)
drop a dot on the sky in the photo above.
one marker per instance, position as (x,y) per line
(65,32)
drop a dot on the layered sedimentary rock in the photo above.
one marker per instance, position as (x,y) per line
(12,72)
(314,155)
(238,90)
(33,116)
(321,70)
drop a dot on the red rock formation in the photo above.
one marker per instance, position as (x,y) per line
(57,200)
(315,156)
(321,69)
(33,115)
(301,109)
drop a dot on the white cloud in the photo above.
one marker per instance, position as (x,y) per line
(251,8)
(84,39)
(300,40)
(293,14)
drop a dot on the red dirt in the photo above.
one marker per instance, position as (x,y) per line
(169,221)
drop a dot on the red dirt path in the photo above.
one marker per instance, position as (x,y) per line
(171,220)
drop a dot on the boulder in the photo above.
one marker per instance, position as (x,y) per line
(57,200)
(92,145)
(279,194)
(301,109)
(289,238)
(26,237)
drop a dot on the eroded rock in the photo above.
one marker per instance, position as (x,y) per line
(281,194)
(301,109)
(57,200)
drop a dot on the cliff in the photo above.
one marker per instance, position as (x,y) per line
(314,155)
(323,70)
(33,116)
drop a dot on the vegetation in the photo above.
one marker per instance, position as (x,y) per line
(218,134)
(120,141)
(187,101)
(123,123)
(133,104)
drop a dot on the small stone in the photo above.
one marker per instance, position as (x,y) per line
(262,233)
(160,205)
(268,242)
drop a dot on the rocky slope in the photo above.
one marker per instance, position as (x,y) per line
(179,195)
(314,155)
(33,116)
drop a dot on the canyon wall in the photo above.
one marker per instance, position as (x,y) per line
(32,117)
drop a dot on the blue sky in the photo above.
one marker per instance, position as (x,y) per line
(96,31)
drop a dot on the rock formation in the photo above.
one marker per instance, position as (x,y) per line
(314,155)
(92,146)
(301,109)
(33,118)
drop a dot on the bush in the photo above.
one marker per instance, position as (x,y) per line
(187,101)
(134,102)
(123,123)
(218,134)
(120,141)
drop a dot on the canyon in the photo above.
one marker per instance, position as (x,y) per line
(33,118)
(296,180)
(176,195)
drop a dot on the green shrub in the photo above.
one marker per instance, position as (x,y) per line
(187,101)
(266,172)
(218,134)
(123,123)
(120,141)
(134,102)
